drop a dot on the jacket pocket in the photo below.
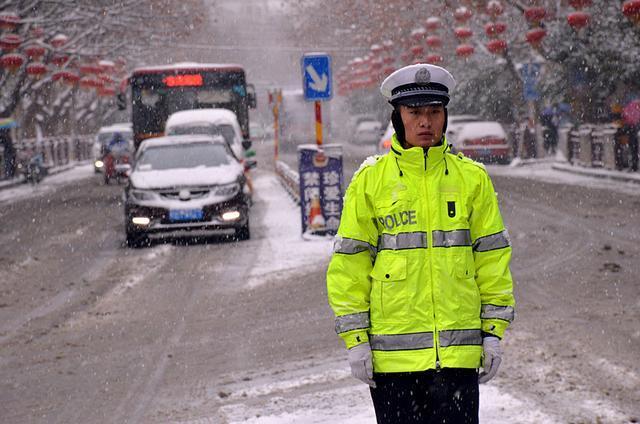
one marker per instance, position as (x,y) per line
(389,294)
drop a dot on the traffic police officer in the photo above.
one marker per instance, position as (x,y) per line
(419,280)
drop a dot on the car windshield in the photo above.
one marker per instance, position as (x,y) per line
(227,132)
(194,129)
(191,155)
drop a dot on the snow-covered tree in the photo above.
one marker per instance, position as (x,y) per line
(588,68)
(87,47)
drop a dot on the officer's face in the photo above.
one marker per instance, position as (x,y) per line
(422,125)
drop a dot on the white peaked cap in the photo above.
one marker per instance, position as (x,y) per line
(418,85)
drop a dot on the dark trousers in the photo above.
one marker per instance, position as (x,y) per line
(447,396)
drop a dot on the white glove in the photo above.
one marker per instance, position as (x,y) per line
(361,363)
(492,358)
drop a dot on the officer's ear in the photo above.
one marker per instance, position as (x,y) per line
(398,125)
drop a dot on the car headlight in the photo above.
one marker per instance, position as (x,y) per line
(142,194)
(227,189)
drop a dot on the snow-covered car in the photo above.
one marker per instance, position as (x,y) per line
(104,136)
(210,122)
(185,183)
(384,144)
(367,132)
(485,141)
(455,122)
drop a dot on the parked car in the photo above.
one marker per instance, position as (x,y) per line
(210,122)
(485,141)
(185,183)
(367,132)
(104,137)
(455,122)
(384,144)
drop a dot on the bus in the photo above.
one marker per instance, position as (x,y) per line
(158,91)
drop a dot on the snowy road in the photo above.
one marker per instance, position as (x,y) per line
(225,332)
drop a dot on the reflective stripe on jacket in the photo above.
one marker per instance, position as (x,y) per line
(421,261)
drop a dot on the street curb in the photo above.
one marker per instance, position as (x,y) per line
(52,171)
(598,173)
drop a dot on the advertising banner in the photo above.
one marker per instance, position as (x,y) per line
(321,182)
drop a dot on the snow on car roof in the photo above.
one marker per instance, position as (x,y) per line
(170,140)
(212,116)
(121,126)
(187,66)
(480,129)
(368,125)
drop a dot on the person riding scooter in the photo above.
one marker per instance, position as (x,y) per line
(117,153)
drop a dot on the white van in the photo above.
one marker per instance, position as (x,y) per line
(210,122)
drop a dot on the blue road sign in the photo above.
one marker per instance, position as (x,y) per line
(530,74)
(316,77)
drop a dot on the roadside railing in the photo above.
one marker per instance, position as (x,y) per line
(289,179)
(596,146)
(58,150)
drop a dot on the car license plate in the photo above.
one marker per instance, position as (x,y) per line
(185,214)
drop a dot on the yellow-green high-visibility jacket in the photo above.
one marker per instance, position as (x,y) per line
(420,268)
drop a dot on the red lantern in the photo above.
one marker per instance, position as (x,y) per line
(9,21)
(434,41)
(433,23)
(376,65)
(89,83)
(106,92)
(464,50)
(535,36)
(59,40)
(89,69)
(462,14)
(578,20)
(36,70)
(12,61)
(535,14)
(631,9)
(107,66)
(493,29)
(580,4)
(34,51)
(463,33)
(59,60)
(10,42)
(418,34)
(417,50)
(67,77)
(495,8)
(376,49)
(497,46)
(434,59)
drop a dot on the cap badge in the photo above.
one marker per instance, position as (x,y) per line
(423,76)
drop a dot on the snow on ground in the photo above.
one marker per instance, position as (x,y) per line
(544,171)
(283,250)
(48,184)
(337,402)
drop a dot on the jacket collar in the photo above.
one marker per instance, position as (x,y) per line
(413,159)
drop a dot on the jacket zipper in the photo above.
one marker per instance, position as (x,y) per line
(433,302)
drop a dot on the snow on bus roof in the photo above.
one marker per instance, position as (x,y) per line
(187,66)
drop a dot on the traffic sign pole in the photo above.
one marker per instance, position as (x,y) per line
(318,123)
